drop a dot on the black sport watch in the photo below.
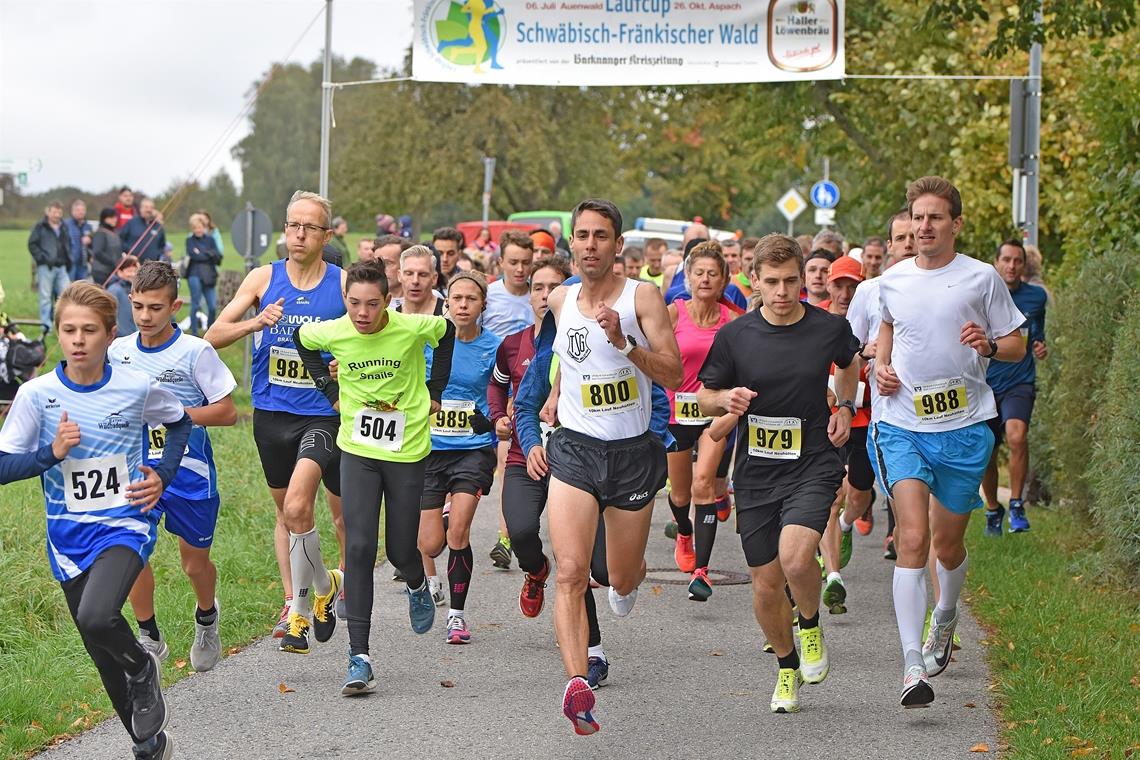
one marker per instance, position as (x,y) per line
(993,349)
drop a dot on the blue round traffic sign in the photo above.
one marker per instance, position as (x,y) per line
(825,194)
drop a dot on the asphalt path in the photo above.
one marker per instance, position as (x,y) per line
(687,680)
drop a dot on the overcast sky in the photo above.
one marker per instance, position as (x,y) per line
(110,92)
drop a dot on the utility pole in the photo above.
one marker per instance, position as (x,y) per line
(326,98)
(1033,140)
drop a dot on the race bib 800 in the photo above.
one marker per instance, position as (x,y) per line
(609,392)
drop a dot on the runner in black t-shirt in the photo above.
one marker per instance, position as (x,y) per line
(771,368)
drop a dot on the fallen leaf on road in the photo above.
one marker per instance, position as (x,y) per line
(180,664)
(716,653)
(283,689)
(970,704)
(980,747)
(1010,645)
(656,590)
(233,650)
(447,684)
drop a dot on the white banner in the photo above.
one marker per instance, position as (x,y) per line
(627,42)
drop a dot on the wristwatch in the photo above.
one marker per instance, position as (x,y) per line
(993,349)
(630,344)
(322,382)
(849,405)
(862,347)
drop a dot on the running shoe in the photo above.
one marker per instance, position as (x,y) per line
(397,575)
(360,679)
(437,594)
(866,523)
(889,548)
(598,672)
(1018,522)
(671,530)
(926,631)
(723,508)
(700,588)
(939,644)
(993,521)
(846,546)
(324,608)
(916,691)
(813,655)
(578,704)
(457,632)
(341,605)
(501,553)
(282,626)
(786,697)
(768,648)
(835,597)
(296,638)
(158,648)
(148,707)
(684,554)
(207,647)
(160,747)
(622,605)
(533,594)
(421,608)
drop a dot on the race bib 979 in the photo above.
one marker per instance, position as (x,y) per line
(774,437)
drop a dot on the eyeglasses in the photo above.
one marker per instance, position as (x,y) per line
(310,229)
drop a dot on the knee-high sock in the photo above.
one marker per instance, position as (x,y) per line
(459,563)
(910,606)
(307,568)
(681,517)
(704,533)
(592,619)
(950,582)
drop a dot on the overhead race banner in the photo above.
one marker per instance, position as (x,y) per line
(627,42)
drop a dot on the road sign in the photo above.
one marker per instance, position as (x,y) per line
(22,178)
(824,217)
(791,204)
(825,194)
(20,165)
(251,231)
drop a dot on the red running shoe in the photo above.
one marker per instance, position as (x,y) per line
(282,626)
(684,554)
(577,705)
(533,593)
(865,523)
(723,508)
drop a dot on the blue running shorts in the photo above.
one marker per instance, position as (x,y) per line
(192,520)
(950,462)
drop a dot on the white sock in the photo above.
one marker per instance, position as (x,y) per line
(834,577)
(843,524)
(454,613)
(438,580)
(950,581)
(307,569)
(909,588)
(596,652)
(365,657)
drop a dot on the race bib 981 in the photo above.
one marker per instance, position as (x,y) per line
(286,368)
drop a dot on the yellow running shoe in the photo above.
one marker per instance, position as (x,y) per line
(296,639)
(324,608)
(813,655)
(786,697)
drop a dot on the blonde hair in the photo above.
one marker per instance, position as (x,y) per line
(91,296)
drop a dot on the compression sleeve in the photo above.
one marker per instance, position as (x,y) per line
(177,435)
(535,387)
(441,363)
(316,367)
(15,467)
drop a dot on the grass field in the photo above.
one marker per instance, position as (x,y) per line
(48,686)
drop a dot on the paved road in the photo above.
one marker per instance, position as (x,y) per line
(687,680)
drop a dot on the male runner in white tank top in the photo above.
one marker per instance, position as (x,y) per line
(614,339)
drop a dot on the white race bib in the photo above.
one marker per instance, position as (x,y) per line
(91,485)
(686,411)
(453,418)
(286,368)
(774,437)
(379,430)
(941,400)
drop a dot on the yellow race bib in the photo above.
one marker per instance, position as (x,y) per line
(686,411)
(774,437)
(609,392)
(286,368)
(453,418)
(941,400)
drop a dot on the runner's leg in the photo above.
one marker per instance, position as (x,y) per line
(573,515)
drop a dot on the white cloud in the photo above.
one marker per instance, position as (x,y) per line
(107,92)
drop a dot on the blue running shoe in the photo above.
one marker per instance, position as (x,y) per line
(993,521)
(421,608)
(598,672)
(360,679)
(1018,522)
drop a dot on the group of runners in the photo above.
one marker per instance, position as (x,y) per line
(394,384)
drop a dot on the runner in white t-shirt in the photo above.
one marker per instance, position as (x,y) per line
(944,316)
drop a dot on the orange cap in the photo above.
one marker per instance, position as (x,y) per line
(845,266)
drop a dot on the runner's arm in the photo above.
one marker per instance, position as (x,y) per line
(32,464)
(661,359)
(231,326)
(177,435)
(500,385)
(218,414)
(316,367)
(441,363)
(721,426)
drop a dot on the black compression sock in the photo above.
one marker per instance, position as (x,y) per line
(705,533)
(459,563)
(150,628)
(790,660)
(681,517)
(206,617)
(592,619)
(812,622)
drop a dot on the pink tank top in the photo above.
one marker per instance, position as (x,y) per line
(694,343)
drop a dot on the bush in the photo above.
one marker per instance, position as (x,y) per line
(1114,472)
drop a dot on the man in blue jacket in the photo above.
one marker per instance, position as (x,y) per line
(79,239)
(144,236)
(1015,387)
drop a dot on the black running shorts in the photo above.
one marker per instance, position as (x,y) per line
(859,472)
(283,438)
(626,474)
(759,522)
(687,437)
(469,471)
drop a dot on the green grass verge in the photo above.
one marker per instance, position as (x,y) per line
(1063,640)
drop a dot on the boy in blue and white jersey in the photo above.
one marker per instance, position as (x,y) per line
(191,369)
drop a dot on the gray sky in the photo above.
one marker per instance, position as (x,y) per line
(110,92)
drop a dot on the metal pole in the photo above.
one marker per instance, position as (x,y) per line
(326,98)
(488,179)
(1032,171)
(249,265)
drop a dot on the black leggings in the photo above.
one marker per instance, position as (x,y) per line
(95,599)
(524,500)
(364,482)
